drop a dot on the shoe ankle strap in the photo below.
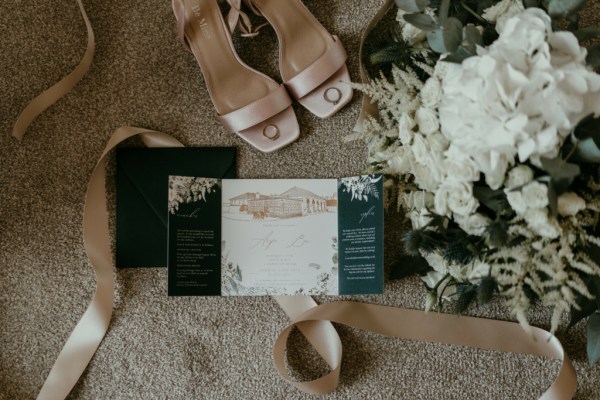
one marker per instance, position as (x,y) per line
(235,18)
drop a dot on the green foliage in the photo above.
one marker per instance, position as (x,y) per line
(466,294)
(422,21)
(406,266)
(564,8)
(460,249)
(486,290)
(417,240)
(561,172)
(495,200)
(587,33)
(593,338)
(497,233)
(593,57)
(412,6)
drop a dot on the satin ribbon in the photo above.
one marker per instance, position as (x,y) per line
(59,89)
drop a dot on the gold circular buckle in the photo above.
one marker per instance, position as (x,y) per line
(271,132)
(333,100)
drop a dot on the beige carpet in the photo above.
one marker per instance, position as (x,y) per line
(183,348)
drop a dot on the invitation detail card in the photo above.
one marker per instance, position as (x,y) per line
(280,237)
(194,232)
(361,235)
(276,236)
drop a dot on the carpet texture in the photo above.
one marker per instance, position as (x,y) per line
(182,348)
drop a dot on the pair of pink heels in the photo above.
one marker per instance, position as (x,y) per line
(249,103)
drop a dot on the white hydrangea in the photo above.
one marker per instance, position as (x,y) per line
(520,98)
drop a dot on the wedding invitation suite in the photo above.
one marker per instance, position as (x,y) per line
(275,236)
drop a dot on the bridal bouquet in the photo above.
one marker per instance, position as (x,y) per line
(489,134)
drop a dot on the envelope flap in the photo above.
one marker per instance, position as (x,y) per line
(142,195)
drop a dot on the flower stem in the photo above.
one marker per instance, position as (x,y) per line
(472,12)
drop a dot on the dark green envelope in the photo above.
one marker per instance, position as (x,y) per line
(142,196)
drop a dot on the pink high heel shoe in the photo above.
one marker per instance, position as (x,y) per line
(249,103)
(312,62)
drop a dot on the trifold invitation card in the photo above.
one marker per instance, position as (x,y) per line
(275,236)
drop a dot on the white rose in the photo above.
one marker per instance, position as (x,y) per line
(475,224)
(431,93)
(460,166)
(570,204)
(535,194)
(455,197)
(516,201)
(427,120)
(405,129)
(537,219)
(519,176)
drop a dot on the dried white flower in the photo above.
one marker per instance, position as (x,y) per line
(519,176)
(570,204)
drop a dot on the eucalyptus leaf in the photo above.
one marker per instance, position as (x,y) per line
(587,34)
(593,338)
(588,127)
(412,6)
(495,200)
(460,55)
(563,8)
(436,41)
(593,57)
(453,33)
(422,21)
(472,35)
(560,169)
(531,3)
(587,308)
(553,198)
(562,172)
(483,5)
(573,22)
(443,10)
(588,151)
